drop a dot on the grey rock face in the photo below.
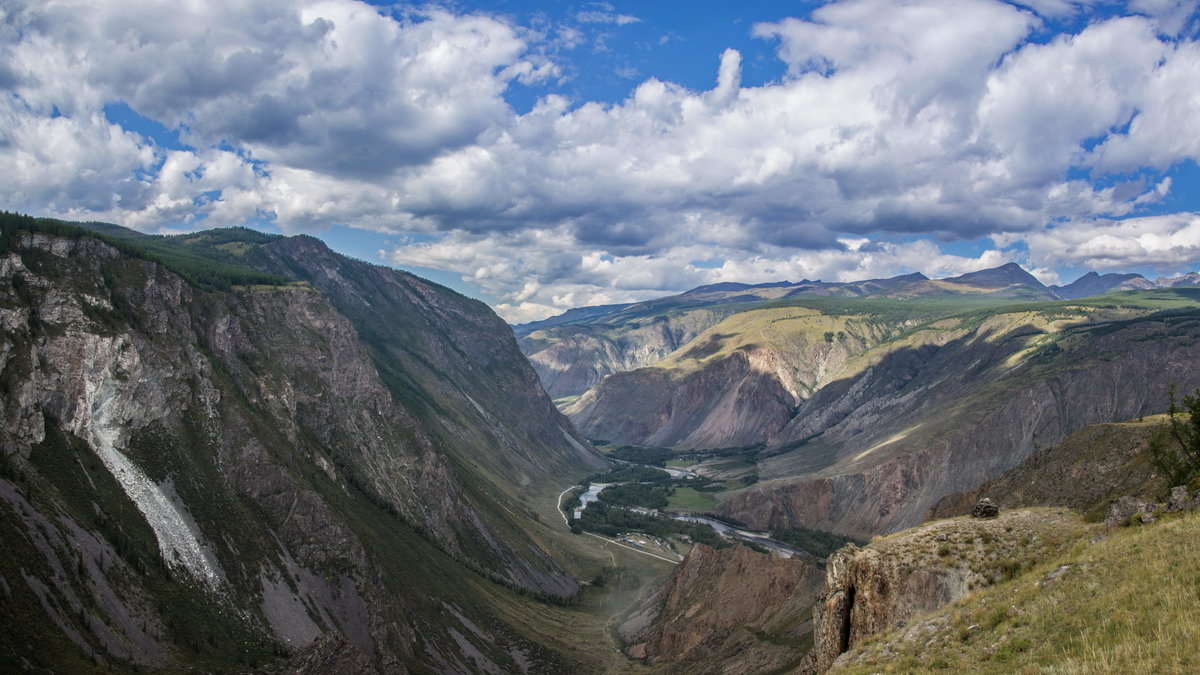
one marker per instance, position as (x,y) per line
(1121,510)
(243,450)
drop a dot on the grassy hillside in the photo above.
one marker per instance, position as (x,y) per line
(1123,604)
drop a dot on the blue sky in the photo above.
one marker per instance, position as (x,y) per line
(545,155)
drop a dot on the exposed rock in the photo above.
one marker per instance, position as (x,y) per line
(731,611)
(1121,510)
(1085,472)
(986,508)
(882,586)
(332,654)
(231,474)
(1182,500)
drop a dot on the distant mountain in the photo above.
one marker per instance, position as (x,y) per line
(735,286)
(1009,274)
(574,351)
(1192,279)
(838,399)
(1094,284)
(576,315)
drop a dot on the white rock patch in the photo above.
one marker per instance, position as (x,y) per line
(179,539)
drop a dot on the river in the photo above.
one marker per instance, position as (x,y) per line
(726,530)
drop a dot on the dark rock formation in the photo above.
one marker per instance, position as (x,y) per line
(985,508)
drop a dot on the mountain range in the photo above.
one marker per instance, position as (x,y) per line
(230,451)
(859,405)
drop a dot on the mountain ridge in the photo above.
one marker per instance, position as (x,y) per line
(228,479)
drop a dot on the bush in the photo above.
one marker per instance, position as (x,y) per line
(1175,445)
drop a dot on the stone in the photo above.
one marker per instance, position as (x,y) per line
(1179,500)
(1122,509)
(986,508)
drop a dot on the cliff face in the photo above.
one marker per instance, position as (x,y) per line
(880,587)
(874,452)
(737,384)
(1085,472)
(572,359)
(224,477)
(731,611)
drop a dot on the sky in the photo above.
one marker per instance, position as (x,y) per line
(554,154)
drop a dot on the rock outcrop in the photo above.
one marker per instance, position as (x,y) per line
(986,508)
(880,587)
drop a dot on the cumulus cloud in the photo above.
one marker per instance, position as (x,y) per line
(893,122)
(1167,243)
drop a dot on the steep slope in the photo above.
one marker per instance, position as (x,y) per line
(224,478)
(731,611)
(1085,472)
(573,358)
(960,401)
(866,411)
(573,352)
(736,384)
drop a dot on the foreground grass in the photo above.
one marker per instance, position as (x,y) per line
(1125,604)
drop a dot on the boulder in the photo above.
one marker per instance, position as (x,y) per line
(1121,510)
(986,508)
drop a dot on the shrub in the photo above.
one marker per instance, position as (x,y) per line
(1175,445)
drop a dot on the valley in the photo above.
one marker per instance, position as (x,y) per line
(245,452)
(856,414)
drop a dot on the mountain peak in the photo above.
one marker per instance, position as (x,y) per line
(1008,274)
(1093,283)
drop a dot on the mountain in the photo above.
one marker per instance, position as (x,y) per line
(1192,279)
(234,451)
(1094,284)
(1005,276)
(574,351)
(1085,472)
(858,414)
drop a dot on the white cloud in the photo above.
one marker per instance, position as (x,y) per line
(894,121)
(1167,243)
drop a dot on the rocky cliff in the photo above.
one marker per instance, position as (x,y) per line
(573,358)
(730,611)
(737,384)
(1085,472)
(882,586)
(225,479)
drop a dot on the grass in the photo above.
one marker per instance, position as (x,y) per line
(691,500)
(1126,604)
